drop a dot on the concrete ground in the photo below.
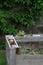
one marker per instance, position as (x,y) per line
(29,60)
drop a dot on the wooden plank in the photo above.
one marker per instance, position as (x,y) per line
(33,38)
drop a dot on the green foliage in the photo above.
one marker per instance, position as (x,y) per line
(2,45)
(2,57)
(20,33)
(23,1)
(39,51)
(23,12)
(10,29)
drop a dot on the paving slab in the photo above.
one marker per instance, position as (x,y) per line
(29,60)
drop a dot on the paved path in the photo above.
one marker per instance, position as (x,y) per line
(29,60)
